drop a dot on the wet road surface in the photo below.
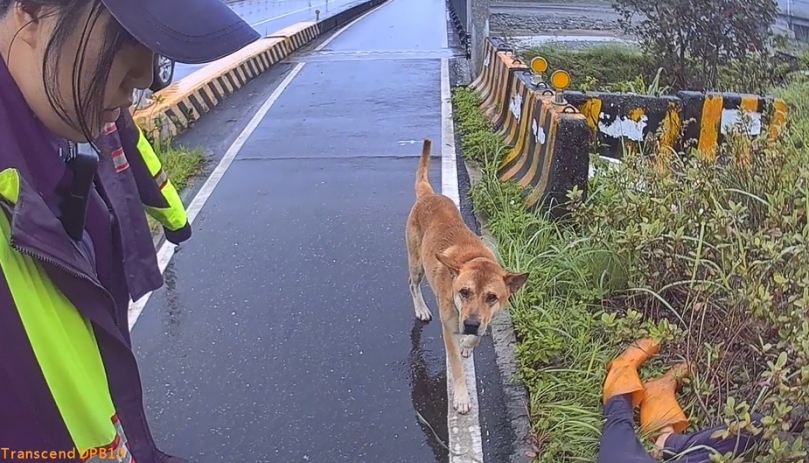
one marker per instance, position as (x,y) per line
(267,16)
(285,331)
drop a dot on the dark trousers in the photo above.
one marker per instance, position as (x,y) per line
(620,444)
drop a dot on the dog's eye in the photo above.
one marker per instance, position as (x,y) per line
(465,293)
(491,298)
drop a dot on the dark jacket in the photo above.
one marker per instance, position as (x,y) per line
(68,377)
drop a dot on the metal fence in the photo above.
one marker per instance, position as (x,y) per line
(459,13)
(794,8)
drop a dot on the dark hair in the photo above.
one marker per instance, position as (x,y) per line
(88,98)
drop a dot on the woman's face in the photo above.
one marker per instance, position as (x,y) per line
(24,36)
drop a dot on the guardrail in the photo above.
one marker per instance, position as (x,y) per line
(459,14)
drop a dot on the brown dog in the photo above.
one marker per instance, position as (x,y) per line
(469,284)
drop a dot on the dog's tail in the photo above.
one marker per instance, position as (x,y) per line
(423,186)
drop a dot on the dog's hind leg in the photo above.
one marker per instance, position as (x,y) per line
(416,276)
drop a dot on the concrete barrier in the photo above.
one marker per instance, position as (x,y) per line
(551,139)
(178,106)
(506,68)
(297,35)
(508,121)
(714,115)
(484,83)
(620,120)
(550,156)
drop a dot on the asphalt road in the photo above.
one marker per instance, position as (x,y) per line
(285,331)
(268,16)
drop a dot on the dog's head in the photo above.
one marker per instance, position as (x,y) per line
(480,288)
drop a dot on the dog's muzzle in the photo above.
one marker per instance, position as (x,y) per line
(471,326)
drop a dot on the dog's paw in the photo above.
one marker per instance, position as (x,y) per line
(462,403)
(468,344)
(424,314)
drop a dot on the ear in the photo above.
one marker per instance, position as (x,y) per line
(515,281)
(449,263)
(27,19)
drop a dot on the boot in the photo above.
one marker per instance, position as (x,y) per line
(659,407)
(622,376)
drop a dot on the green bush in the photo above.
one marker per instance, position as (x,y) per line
(710,256)
(595,68)
(693,39)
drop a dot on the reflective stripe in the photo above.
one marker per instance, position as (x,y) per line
(117,451)
(119,160)
(110,129)
(161,179)
(118,428)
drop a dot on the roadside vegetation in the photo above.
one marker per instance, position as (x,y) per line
(710,255)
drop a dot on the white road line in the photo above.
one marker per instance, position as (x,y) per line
(465,442)
(166,250)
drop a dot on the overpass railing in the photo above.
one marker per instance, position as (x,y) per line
(459,13)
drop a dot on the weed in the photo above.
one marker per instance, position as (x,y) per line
(594,68)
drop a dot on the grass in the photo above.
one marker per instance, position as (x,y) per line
(595,68)
(180,164)
(710,259)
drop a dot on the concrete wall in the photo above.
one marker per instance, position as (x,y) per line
(479,30)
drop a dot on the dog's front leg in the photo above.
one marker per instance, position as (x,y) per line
(468,344)
(460,395)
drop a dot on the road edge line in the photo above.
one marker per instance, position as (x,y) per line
(465,440)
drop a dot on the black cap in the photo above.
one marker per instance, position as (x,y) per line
(186,31)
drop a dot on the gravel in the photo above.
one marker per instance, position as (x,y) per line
(524,18)
(569,42)
(545,23)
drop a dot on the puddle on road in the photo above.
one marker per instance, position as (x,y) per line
(428,391)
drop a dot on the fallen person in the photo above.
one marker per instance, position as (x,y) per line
(660,415)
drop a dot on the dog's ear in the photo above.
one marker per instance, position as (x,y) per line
(515,281)
(449,263)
